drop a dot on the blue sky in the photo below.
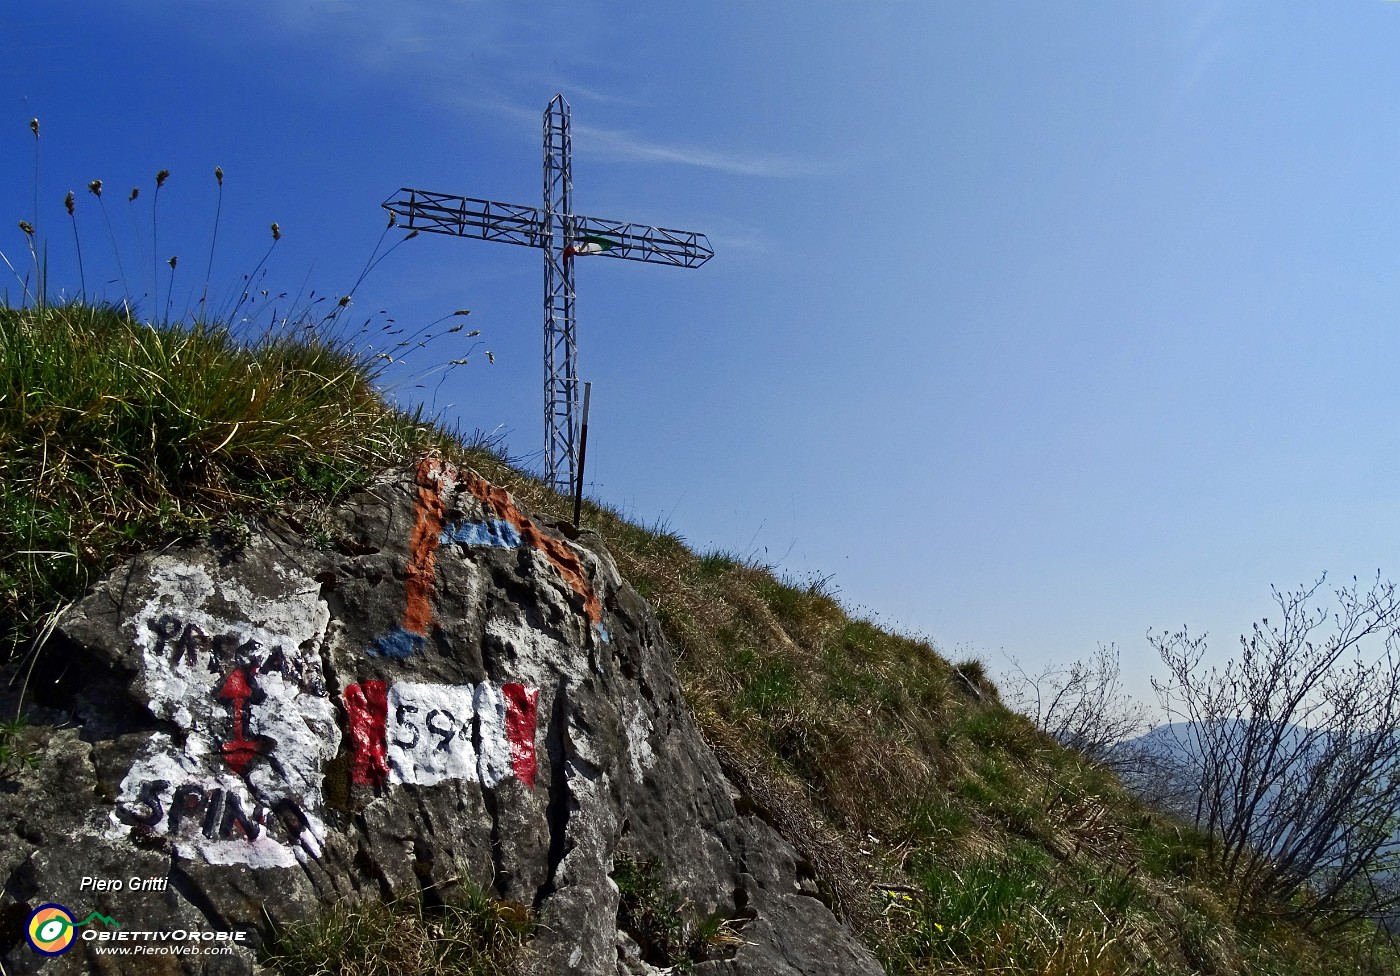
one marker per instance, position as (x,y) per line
(1033,326)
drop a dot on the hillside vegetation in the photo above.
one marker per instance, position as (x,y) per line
(945,828)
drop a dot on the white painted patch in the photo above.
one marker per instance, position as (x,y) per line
(494,761)
(169,793)
(536,659)
(242,785)
(639,752)
(429,733)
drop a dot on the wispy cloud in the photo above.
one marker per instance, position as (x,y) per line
(1200,62)
(617,144)
(485,101)
(620,145)
(747,241)
(412,39)
(575,90)
(1204,42)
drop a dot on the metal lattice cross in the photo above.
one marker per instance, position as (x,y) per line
(562,235)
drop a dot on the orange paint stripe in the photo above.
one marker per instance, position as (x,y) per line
(428,520)
(557,551)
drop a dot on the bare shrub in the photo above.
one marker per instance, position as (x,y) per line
(1294,752)
(1083,706)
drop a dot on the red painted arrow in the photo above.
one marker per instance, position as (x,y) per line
(238,751)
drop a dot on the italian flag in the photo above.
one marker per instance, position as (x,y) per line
(588,245)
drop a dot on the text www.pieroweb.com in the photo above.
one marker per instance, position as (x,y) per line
(161,950)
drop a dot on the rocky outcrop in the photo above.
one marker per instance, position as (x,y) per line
(447,692)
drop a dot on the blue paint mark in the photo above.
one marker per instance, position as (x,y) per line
(603,634)
(398,643)
(492,533)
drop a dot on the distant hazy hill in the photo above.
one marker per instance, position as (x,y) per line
(1165,767)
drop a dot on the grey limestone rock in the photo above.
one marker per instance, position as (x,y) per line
(452,692)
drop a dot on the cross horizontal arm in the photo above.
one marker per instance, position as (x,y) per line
(637,242)
(443,213)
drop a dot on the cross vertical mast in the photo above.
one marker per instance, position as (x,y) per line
(560,341)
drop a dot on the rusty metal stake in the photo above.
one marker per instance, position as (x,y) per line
(582,453)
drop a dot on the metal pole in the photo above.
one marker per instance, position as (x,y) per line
(582,453)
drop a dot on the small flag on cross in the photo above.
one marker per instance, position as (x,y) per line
(588,245)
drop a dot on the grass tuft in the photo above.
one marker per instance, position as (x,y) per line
(667,929)
(115,434)
(469,935)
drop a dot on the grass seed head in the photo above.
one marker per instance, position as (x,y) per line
(161,177)
(219,174)
(135,192)
(95,188)
(68,202)
(27,227)
(276,231)
(171,262)
(34,127)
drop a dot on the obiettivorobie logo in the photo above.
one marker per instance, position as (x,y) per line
(51,931)
(51,928)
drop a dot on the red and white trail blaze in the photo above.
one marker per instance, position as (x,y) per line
(423,733)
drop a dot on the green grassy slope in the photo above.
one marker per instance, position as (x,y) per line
(951,833)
